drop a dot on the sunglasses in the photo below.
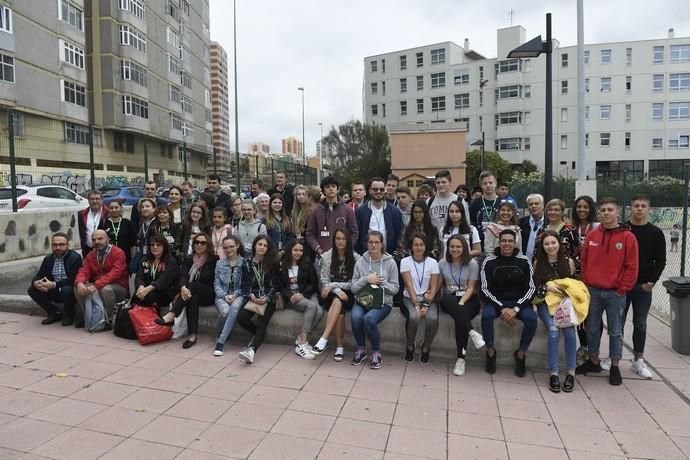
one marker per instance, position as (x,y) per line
(378,189)
(201,242)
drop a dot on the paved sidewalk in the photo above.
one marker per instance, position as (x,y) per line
(67,394)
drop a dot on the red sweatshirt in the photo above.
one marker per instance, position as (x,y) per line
(609,259)
(113,271)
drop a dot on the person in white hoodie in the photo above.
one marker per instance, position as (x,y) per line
(375,270)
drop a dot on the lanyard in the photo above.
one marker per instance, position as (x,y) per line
(450,266)
(420,278)
(101,262)
(259,275)
(219,240)
(490,209)
(116,230)
(154,270)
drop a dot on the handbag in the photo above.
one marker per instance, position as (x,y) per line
(256,308)
(565,315)
(370,297)
(143,320)
(122,325)
(180,327)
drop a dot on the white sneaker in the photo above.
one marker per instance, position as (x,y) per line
(247,355)
(477,339)
(640,368)
(605,364)
(459,367)
(303,352)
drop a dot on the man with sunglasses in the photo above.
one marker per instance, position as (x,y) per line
(379,215)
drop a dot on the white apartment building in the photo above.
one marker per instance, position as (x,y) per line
(637,100)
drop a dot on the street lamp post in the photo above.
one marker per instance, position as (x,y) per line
(318,171)
(304,146)
(532,49)
(237,129)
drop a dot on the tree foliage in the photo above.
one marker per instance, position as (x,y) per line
(360,151)
(492,161)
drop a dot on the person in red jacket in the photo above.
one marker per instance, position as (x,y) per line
(104,271)
(609,265)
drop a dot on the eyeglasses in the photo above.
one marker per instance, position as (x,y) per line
(201,242)
(373,242)
(378,189)
(155,245)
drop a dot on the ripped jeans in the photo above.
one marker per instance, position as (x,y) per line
(227,316)
(554,333)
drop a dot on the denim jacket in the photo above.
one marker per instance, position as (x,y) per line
(224,273)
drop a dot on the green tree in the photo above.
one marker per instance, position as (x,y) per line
(359,151)
(527,167)
(492,161)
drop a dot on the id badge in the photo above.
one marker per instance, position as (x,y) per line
(453,288)
(459,294)
(325,234)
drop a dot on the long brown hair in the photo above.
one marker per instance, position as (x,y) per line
(542,267)
(271,221)
(349,258)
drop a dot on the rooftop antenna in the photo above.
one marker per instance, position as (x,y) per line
(511,12)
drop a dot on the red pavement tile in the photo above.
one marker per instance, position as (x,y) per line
(119,421)
(564,415)
(269,396)
(578,455)
(53,363)
(21,403)
(431,380)
(536,433)
(483,426)
(512,391)
(174,431)
(683,443)
(304,425)
(476,383)
(135,449)
(406,440)
(251,416)
(371,411)
(621,421)
(664,405)
(200,367)
(278,446)
(361,434)
(68,412)
(149,400)
(161,361)
(229,441)
(648,445)
(418,417)
(285,379)
(528,452)
(6,418)
(77,443)
(329,385)
(343,369)
(83,351)
(467,447)
(318,403)
(179,383)
(222,388)
(189,454)
(24,434)
(242,372)
(200,408)
(332,451)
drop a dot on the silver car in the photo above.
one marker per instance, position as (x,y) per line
(33,197)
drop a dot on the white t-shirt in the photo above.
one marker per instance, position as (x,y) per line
(420,272)
(377,221)
(471,238)
(293,272)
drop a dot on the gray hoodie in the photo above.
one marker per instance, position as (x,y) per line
(386,267)
(325,273)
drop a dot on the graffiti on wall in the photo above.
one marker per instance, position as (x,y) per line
(78,183)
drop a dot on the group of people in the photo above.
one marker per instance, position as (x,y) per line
(311,251)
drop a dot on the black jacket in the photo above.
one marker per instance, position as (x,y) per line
(205,276)
(288,197)
(526,231)
(125,238)
(165,279)
(651,244)
(72,261)
(507,279)
(306,280)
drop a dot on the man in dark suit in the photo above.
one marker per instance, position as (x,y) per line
(54,281)
(530,224)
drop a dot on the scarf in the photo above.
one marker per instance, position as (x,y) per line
(197,262)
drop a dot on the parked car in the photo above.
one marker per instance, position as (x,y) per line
(129,196)
(34,197)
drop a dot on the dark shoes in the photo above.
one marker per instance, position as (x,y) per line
(188,343)
(520,367)
(490,366)
(569,383)
(79,324)
(52,318)
(163,322)
(67,320)
(615,378)
(588,367)
(424,357)
(409,354)
(555,384)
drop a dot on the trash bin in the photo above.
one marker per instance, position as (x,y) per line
(678,288)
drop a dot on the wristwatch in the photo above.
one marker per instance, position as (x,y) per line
(516,309)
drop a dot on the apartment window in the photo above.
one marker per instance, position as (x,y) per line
(508,92)
(6,68)
(680,53)
(183,53)
(403,62)
(374,88)
(72,14)
(628,56)
(438,104)
(175,94)
(17,123)
(526,143)
(679,82)
(657,143)
(420,82)
(526,67)
(527,117)
(657,82)
(618,169)
(403,108)
(462,101)
(658,55)
(134,72)
(586,85)
(586,112)
(606,56)
(383,110)
(438,80)
(374,65)
(438,56)
(171,8)
(508,118)
(564,60)
(564,114)
(73,93)
(671,168)
(683,141)
(564,87)
(627,141)
(76,134)
(374,110)
(187,129)
(604,112)
(605,139)
(628,112)
(481,98)
(5,19)
(173,38)
(481,73)
(186,7)
(678,110)
(564,141)
(586,57)
(72,54)
(420,59)
(129,36)
(173,64)
(136,7)
(187,106)
(123,142)
(586,139)
(527,91)
(461,79)
(383,66)
(605,84)
(628,83)
(383,87)
(134,106)
(508,143)
(403,85)
(420,105)
(176,122)
(658,111)
(510,65)
(186,80)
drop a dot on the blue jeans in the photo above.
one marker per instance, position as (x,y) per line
(641,301)
(569,341)
(367,321)
(526,315)
(613,304)
(228,317)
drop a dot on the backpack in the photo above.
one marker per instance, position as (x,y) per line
(95,317)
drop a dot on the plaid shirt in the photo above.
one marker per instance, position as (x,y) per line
(59,272)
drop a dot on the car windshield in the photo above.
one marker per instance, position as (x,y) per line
(6,193)
(108,192)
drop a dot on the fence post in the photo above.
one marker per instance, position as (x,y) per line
(684,241)
(256,162)
(146,161)
(13,161)
(92,166)
(184,158)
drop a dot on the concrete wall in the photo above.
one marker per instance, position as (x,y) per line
(27,234)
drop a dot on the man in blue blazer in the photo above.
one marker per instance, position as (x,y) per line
(377,214)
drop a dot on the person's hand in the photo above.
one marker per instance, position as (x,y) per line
(91,289)
(296,298)
(229,298)
(342,296)
(81,289)
(41,285)
(261,300)
(555,289)
(325,291)
(422,311)
(185,293)
(141,292)
(428,296)
(647,287)
(508,315)
(374,278)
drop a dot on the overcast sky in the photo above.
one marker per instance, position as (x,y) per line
(320,45)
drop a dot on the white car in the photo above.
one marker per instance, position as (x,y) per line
(33,197)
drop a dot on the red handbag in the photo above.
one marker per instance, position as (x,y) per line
(143,320)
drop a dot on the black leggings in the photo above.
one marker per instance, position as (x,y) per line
(258,330)
(201,295)
(160,298)
(462,317)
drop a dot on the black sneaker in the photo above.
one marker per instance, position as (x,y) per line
(569,383)
(555,384)
(67,320)
(615,378)
(424,357)
(409,355)
(359,357)
(520,367)
(490,366)
(79,324)
(587,367)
